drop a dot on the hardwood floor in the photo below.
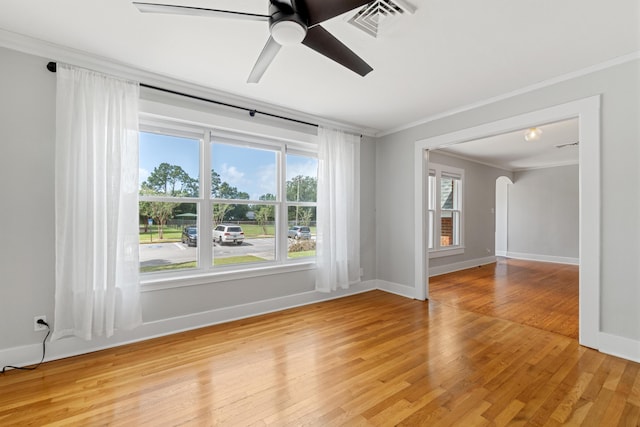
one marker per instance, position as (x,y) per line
(370,359)
(538,294)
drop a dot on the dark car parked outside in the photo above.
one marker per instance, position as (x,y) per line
(190,235)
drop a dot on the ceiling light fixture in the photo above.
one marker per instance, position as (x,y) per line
(288,33)
(532,134)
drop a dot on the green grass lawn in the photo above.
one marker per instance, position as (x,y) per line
(192,264)
(170,234)
(302,254)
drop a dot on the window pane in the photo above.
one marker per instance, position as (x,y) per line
(168,239)
(449,192)
(450,228)
(431,228)
(301,235)
(302,178)
(169,165)
(432,192)
(242,173)
(248,241)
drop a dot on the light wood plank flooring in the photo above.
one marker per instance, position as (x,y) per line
(538,294)
(373,359)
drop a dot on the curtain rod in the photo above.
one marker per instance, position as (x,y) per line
(52,66)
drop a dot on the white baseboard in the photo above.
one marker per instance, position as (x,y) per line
(67,347)
(501,253)
(396,288)
(543,258)
(462,265)
(619,346)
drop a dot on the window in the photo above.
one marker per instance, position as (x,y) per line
(445,210)
(213,201)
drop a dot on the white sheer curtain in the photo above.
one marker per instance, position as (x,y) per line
(338,212)
(96,204)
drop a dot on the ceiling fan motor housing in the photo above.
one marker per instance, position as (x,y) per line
(288,22)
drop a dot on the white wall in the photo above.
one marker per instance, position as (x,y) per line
(478,211)
(27,134)
(543,214)
(619,86)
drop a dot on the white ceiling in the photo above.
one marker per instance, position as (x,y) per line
(512,152)
(447,55)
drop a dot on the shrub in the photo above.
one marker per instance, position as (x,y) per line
(302,245)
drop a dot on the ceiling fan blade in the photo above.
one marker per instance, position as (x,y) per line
(321,10)
(198,11)
(326,44)
(269,52)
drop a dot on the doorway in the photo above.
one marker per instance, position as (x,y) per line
(588,112)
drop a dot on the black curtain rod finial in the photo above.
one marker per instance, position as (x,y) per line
(52,66)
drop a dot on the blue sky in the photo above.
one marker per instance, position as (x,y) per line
(248,169)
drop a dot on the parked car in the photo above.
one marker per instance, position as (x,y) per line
(190,235)
(228,233)
(299,232)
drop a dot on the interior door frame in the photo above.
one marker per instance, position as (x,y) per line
(587,110)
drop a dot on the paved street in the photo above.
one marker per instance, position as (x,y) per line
(175,253)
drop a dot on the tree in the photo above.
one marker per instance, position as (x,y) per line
(264,214)
(219,212)
(160,212)
(171,180)
(302,189)
(223,190)
(306,215)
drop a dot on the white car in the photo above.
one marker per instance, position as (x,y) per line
(228,233)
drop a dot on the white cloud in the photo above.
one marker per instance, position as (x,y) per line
(232,175)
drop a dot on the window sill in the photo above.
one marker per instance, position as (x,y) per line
(149,283)
(458,250)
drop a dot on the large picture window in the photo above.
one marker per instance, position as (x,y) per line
(445,210)
(214,201)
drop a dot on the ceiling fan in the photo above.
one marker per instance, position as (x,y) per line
(290,22)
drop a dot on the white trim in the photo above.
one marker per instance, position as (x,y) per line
(588,111)
(542,258)
(67,347)
(548,166)
(620,346)
(421,231)
(462,265)
(545,83)
(159,281)
(395,288)
(528,168)
(447,251)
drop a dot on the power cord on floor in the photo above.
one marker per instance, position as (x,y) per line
(41,322)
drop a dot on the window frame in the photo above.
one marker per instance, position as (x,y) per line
(206,272)
(435,210)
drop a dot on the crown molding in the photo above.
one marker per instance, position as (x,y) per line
(634,56)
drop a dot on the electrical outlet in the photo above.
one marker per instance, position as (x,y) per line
(37,326)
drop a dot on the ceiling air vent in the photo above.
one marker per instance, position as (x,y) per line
(380,13)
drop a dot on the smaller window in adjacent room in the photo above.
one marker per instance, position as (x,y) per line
(445,213)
